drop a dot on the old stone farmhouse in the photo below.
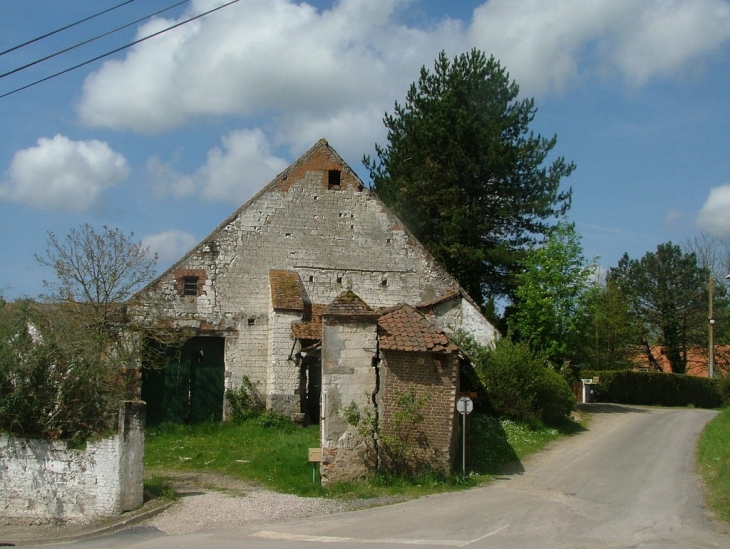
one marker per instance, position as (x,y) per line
(319,296)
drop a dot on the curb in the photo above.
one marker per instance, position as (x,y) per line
(112,525)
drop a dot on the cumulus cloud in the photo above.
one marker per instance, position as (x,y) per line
(284,58)
(61,174)
(549,45)
(169,245)
(714,217)
(232,173)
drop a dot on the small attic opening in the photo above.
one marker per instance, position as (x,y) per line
(190,285)
(334,180)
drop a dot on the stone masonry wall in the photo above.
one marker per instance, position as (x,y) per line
(429,375)
(348,375)
(335,237)
(45,481)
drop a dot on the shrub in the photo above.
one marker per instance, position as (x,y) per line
(49,386)
(519,384)
(244,402)
(724,388)
(657,389)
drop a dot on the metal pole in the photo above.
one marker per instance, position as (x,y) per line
(463,447)
(711,351)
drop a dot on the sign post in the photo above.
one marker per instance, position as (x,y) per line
(464,405)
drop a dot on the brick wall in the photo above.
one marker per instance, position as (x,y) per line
(430,375)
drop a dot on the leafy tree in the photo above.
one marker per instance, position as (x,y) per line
(611,331)
(63,362)
(666,290)
(465,173)
(554,287)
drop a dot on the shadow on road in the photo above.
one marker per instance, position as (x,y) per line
(605,408)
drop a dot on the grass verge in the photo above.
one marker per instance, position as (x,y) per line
(713,457)
(275,456)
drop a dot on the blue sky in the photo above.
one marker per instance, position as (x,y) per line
(167,138)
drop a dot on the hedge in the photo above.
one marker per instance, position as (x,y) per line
(656,389)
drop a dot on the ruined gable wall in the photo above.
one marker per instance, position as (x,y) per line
(334,238)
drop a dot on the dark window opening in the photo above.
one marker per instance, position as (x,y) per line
(334,180)
(190,285)
(311,278)
(384,282)
(339,280)
(251,321)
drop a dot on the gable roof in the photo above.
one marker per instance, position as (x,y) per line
(348,305)
(406,329)
(286,291)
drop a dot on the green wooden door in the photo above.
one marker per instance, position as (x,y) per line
(190,388)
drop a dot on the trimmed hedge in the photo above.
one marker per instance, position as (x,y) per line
(656,389)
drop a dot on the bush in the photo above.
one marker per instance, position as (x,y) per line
(657,389)
(49,387)
(244,402)
(519,384)
(724,388)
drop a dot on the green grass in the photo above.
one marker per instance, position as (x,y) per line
(276,456)
(713,453)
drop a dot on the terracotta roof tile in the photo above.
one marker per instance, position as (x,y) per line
(310,327)
(286,291)
(406,329)
(349,304)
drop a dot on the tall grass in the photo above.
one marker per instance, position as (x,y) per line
(713,454)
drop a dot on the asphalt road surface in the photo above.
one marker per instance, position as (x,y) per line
(627,482)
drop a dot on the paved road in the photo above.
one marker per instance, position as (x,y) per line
(628,482)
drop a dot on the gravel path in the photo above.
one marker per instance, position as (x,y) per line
(204,511)
(216,501)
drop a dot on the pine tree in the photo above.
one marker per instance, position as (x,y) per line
(465,173)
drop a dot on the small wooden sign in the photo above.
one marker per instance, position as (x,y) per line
(596,379)
(315,455)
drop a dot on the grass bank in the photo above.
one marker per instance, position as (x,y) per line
(275,455)
(713,455)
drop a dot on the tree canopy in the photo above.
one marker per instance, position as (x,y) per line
(465,173)
(554,287)
(667,294)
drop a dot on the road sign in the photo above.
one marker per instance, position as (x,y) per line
(465,405)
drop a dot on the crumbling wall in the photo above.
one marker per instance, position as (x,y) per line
(45,481)
(348,378)
(318,220)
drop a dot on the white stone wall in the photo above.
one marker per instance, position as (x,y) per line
(335,239)
(45,481)
(349,377)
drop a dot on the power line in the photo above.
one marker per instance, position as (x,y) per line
(90,40)
(116,50)
(66,27)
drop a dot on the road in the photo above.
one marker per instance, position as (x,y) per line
(627,482)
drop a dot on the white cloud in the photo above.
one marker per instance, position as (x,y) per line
(232,173)
(673,219)
(714,217)
(61,174)
(287,61)
(548,45)
(169,245)
(245,164)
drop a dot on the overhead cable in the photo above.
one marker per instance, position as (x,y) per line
(112,52)
(66,27)
(90,40)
